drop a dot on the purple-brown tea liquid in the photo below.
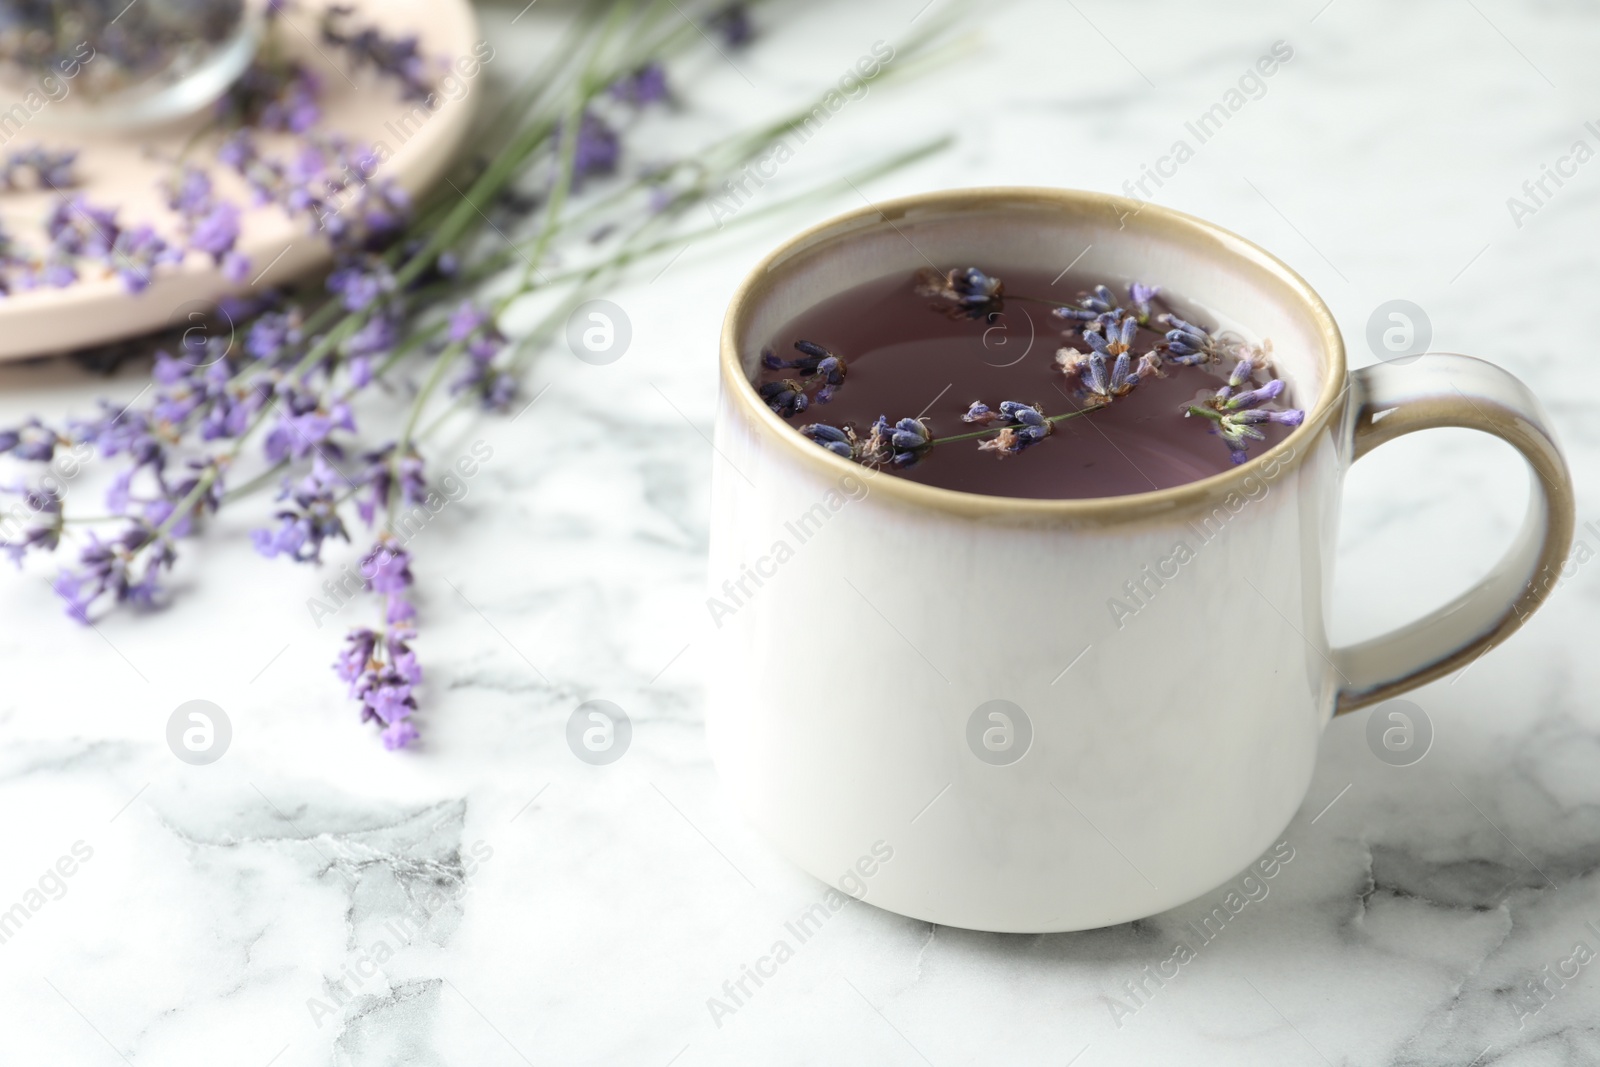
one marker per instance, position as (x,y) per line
(904,358)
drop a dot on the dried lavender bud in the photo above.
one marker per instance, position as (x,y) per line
(786,397)
(839,442)
(1140,296)
(1236,415)
(965,292)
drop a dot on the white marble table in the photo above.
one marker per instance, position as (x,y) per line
(572,914)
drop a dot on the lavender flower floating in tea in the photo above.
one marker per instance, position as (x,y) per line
(1115,391)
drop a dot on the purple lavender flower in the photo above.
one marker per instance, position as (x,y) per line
(107,569)
(787,397)
(382,673)
(839,442)
(1190,345)
(216,231)
(1113,339)
(236,267)
(189,191)
(981,414)
(902,443)
(313,519)
(965,292)
(81,232)
(1107,371)
(33,440)
(271,334)
(380,666)
(397,57)
(78,228)
(483,341)
(399,734)
(597,150)
(274,93)
(816,364)
(910,440)
(1094,310)
(138,252)
(120,431)
(387,568)
(732,23)
(50,170)
(383,476)
(1104,385)
(44,505)
(465,321)
(331,181)
(306,424)
(1024,425)
(1235,415)
(359,288)
(377,337)
(647,85)
(357,655)
(1140,295)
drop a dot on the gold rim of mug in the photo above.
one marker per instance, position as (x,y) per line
(1196,232)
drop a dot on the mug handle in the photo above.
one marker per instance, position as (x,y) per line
(1444,389)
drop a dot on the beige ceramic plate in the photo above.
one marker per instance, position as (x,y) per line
(124,170)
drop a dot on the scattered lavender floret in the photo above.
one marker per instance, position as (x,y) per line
(397,57)
(48,169)
(210,224)
(274,93)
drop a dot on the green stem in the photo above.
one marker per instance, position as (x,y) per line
(266,477)
(207,477)
(974,435)
(1039,300)
(440,365)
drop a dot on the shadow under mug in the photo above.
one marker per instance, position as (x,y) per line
(926,698)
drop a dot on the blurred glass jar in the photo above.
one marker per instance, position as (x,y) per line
(114,63)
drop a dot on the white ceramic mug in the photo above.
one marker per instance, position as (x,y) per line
(945,676)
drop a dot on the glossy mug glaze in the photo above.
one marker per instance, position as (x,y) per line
(1064,714)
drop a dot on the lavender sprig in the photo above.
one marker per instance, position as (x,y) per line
(283,397)
(1236,413)
(399,57)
